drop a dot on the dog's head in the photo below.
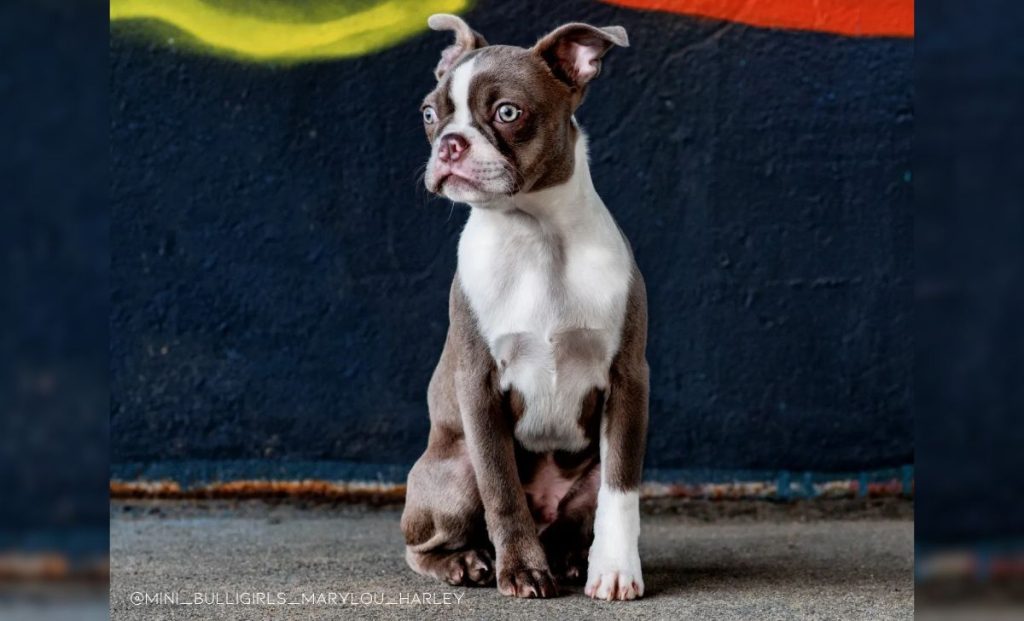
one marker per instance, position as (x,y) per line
(500,119)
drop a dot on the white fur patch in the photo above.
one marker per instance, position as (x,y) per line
(614,563)
(613,571)
(482,162)
(459,92)
(545,264)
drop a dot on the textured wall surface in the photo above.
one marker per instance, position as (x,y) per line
(280,276)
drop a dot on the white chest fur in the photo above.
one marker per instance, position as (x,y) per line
(548,288)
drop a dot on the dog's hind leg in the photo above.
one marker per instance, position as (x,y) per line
(443,520)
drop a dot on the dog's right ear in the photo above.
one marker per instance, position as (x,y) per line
(466,40)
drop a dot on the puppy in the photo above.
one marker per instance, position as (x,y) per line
(538,405)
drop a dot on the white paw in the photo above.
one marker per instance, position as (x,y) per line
(614,580)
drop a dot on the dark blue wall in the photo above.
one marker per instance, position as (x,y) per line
(969,263)
(280,277)
(54,279)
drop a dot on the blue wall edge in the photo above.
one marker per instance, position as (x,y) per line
(190,473)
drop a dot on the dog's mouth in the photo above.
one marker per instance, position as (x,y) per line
(457,180)
(470,182)
(459,187)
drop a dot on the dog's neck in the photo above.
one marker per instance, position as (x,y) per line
(560,209)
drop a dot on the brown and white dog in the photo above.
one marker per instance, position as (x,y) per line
(538,405)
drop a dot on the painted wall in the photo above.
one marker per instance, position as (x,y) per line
(969,267)
(280,276)
(54,224)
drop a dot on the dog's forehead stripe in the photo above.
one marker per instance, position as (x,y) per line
(458,87)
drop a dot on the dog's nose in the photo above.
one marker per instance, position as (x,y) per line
(453,146)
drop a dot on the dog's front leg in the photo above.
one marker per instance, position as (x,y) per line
(614,562)
(521,566)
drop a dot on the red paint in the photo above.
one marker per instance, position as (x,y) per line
(859,18)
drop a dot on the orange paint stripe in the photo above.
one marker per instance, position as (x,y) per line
(858,18)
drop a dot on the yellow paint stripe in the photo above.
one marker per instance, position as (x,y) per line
(257,37)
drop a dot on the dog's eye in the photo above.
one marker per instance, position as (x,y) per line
(429,115)
(507,113)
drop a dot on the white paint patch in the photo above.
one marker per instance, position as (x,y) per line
(536,268)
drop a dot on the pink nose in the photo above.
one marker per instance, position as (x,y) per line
(453,146)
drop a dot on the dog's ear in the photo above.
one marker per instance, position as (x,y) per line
(574,51)
(466,40)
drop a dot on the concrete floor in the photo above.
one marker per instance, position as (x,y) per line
(751,566)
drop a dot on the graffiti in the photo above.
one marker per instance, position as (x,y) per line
(282,279)
(287,32)
(276,31)
(893,18)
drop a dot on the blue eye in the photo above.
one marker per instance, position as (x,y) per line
(429,115)
(508,113)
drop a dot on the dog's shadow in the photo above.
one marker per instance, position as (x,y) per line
(670,578)
(665,577)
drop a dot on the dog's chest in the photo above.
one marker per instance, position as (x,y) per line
(551,309)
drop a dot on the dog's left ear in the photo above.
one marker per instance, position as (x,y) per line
(466,40)
(574,51)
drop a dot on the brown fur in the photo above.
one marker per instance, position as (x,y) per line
(541,80)
(467,494)
(463,497)
(625,417)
